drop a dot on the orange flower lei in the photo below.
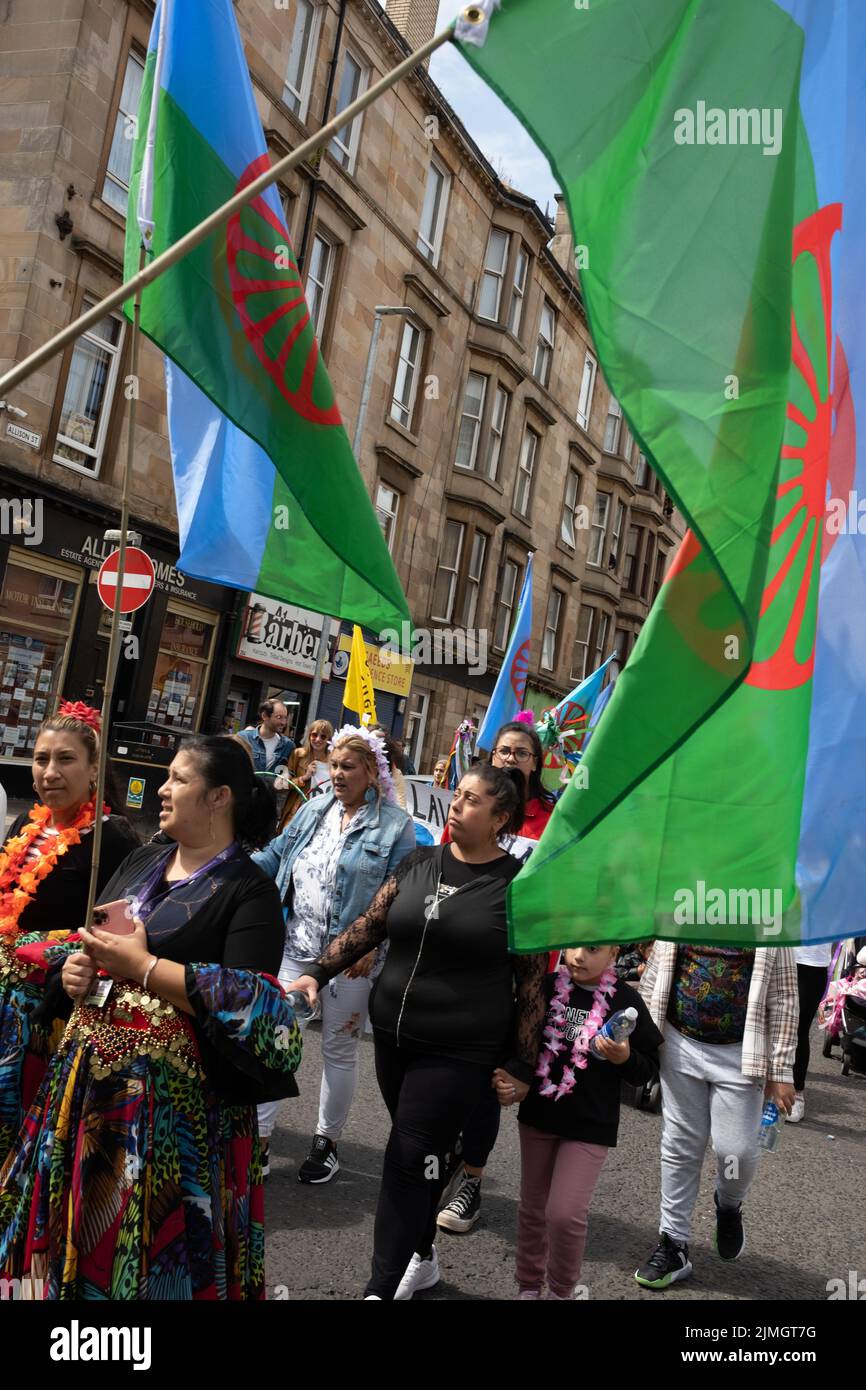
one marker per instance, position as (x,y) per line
(18,881)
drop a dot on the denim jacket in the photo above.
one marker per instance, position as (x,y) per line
(284,749)
(380,837)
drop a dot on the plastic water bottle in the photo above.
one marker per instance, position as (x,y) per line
(771,1128)
(299,1003)
(617,1029)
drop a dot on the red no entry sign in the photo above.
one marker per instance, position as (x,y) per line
(139,578)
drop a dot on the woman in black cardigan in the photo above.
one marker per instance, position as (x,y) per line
(453,1012)
(137,1173)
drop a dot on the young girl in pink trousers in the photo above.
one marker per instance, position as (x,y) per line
(570,1116)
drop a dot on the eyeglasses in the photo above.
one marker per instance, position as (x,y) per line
(318,735)
(520,755)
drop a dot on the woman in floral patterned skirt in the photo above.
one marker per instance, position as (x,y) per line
(137,1173)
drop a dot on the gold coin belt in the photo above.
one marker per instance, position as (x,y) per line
(131,1024)
(10,967)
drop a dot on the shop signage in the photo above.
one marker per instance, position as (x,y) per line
(388,671)
(278,634)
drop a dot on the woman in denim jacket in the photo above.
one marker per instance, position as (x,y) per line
(329,862)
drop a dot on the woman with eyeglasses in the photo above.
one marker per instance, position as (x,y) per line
(307,769)
(516,745)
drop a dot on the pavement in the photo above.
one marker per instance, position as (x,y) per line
(802,1216)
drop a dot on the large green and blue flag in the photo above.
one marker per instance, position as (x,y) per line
(264,472)
(710,157)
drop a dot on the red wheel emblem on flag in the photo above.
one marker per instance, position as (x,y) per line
(823,452)
(821,455)
(519,671)
(269,300)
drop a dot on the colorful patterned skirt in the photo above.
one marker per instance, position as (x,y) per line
(24,1048)
(130,1179)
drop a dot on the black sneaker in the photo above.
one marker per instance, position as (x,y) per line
(464,1209)
(266,1160)
(668,1263)
(729,1242)
(321,1164)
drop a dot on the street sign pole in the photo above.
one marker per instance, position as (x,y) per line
(114,639)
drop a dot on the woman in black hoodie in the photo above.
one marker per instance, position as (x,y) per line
(446,1021)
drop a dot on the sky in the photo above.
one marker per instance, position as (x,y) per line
(516,158)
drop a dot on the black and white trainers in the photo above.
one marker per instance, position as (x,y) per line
(321,1163)
(464,1209)
(730,1238)
(667,1264)
(266,1159)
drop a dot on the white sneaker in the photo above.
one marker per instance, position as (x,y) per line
(798,1110)
(420,1274)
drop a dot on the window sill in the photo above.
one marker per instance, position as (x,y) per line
(100,205)
(403,432)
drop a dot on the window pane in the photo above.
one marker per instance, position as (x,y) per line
(612,427)
(473,578)
(87,398)
(350,86)
(446,577)
(406,379)
(488,303)
(181,671)
(584,404)
(506,604)
(632,550)
(497,250)
(116,188)
(294,94)
(387,503)
(599,527)
(473,405)
(318,282)
(428,235)
(494,269)
(518,289)
(36,609)
(497,429)
(601,639)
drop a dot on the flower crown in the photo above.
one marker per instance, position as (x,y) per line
(85,714)
(376,743)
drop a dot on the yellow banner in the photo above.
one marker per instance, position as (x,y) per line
(359,685)
(388,671)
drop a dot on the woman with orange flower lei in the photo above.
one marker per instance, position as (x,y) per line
(44,878)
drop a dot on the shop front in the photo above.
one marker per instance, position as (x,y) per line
(54,634)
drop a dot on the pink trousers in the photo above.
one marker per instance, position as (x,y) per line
(557,1180)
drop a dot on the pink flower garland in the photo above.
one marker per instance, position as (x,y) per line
(553,1033)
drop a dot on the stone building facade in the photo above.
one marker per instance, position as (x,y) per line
(490,433)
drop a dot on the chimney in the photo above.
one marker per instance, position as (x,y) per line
(562,245)
(416,19)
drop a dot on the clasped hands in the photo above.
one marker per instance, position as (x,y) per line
(123,957)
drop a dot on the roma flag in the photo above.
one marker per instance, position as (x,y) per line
(709,158)
(359,694)
(263,469)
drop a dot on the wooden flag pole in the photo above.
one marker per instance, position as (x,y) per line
(114,640)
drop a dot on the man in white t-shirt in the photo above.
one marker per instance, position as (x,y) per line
(271,747)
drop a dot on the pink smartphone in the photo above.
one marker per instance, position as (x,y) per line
(114,917)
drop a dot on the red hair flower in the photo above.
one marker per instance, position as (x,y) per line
(86,714)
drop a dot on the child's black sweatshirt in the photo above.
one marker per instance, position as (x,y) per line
(590,1112)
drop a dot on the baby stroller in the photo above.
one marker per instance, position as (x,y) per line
(843,1018)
